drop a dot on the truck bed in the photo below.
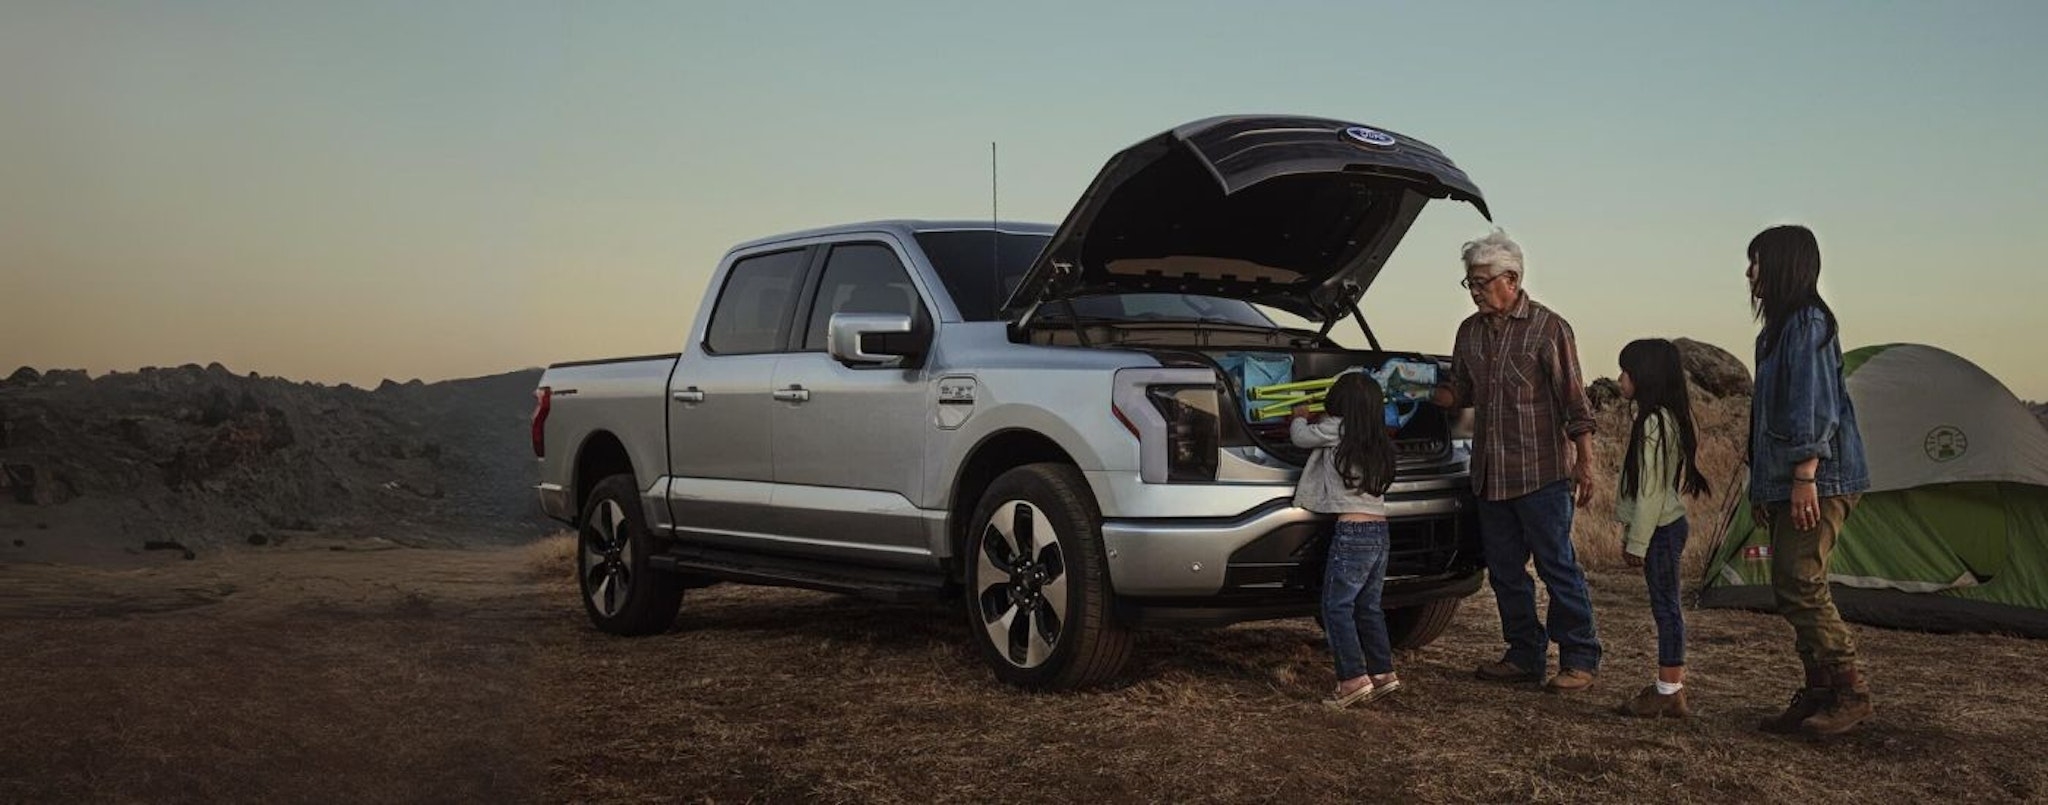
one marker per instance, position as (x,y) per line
(622,398)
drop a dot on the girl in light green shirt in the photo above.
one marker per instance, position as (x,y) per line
(1656,473)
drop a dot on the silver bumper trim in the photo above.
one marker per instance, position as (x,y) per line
(1189,558)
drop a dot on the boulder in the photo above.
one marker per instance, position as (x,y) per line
(1714,370)
(1604,392)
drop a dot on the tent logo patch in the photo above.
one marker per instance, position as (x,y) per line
(1946,443)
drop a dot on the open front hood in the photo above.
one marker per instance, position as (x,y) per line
(1297,213)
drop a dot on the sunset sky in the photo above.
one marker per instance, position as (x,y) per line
(351,191)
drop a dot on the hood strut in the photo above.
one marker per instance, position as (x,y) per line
(1349,301)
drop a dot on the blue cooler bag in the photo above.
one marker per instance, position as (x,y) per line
(1408,384)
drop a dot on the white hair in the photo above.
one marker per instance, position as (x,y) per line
(1496,252)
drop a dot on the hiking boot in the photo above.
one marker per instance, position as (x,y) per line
(1849,705)
(1648,703)
(1504,671)
(1806,702)
(1569,680)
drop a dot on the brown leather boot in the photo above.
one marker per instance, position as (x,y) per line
(1849,705)
(1805,703)
(1648,703)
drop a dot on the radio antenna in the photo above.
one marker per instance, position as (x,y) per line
(995,235)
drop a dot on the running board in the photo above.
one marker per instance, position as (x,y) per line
(781,571)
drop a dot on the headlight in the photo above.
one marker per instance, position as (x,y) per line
(1191,430)
(1173,413)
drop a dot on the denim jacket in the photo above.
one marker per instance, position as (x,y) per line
(1801,409)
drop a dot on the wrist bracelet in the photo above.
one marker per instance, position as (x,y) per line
(1798,480)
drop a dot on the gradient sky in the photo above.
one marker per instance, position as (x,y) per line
(345,192)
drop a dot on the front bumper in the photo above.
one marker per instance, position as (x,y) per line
(1273,554)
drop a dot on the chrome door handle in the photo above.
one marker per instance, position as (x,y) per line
(688,395)
(794,394)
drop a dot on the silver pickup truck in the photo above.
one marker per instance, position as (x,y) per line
(1042,424)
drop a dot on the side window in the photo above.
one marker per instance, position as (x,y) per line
(859,278)
(752,312)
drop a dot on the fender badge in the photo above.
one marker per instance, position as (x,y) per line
(1370,137)
(956,391)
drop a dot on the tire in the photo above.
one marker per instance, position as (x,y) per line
(1420,625)
(1042,617)
(621,593)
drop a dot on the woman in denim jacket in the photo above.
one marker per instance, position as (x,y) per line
(1806,472)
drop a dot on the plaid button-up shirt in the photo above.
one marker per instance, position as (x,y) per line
(1520,374)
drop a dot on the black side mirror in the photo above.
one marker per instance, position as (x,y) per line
(878,340)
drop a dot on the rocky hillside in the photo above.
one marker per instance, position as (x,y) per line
(203,457)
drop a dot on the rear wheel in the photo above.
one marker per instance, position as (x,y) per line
(621,593)
(1038,593)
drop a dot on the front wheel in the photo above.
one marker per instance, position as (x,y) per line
(1038,592)
(1420,625)
(621,593)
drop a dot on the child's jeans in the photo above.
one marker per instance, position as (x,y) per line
(1352,619)
(1660,570)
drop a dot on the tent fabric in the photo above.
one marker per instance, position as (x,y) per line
(1888,542)
(1912,587)
(1953,535)
(1930,417)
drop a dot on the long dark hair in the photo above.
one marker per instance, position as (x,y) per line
(1787,279)
(1365,455)
(1654,367)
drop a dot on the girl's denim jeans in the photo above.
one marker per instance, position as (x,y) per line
(1660,570)
(1352,619)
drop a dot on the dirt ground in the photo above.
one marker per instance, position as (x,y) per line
(323,671)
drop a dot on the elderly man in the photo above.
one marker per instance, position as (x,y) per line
(1517,365)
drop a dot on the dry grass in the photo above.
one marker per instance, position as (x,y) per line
(292,675)
(552,557)
(415,675)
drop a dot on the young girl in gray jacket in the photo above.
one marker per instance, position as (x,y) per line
(1347,474)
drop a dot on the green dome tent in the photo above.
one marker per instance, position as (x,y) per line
(1953,534)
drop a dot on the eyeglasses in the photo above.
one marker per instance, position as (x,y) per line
(1471,284)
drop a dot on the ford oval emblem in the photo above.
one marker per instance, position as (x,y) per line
(1370,137)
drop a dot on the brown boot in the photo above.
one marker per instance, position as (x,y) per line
(1504,671)
(1849,705)
(1569,680)
(1648,703)
(1808,701)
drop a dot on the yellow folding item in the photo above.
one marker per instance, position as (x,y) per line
(1299,387)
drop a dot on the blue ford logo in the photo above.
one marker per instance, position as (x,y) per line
(1371,137)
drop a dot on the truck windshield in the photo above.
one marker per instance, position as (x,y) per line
(980,276)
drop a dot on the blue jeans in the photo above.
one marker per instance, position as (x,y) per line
(1352,619)
(1660,571)
(1538,524)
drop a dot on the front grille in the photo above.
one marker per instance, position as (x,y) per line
(1423,547)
